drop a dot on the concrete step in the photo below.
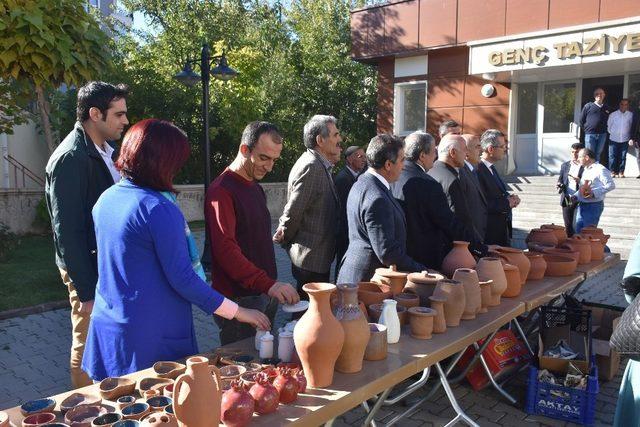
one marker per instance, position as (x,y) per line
(610,216)
(527,206)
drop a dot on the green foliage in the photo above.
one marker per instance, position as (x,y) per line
(8,242)
(14,102)
(42,219)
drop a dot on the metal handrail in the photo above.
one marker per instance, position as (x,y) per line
(26,172)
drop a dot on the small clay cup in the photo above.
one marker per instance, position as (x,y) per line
(112,388)
(38,419)
(168,369)
(377,347)
(375,310)
(135,411)
(407,299)
(421,321)
(106,420)
(124,401)
(37,406)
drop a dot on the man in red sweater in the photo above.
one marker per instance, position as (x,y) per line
(243,262)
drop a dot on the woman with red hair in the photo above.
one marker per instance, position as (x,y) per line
(147,277)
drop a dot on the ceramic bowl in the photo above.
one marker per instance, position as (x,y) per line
(375,310)
(153,383)
(106,419)
(253,367)
(124,401)
(169,409)
(113,387)
(38,419)
(564,252)
(76,399)
(36,406)
(248,378)
(83,415)
(559,265)
(232,372)
(127,423)
(135,411)
(168,369)
(158,403)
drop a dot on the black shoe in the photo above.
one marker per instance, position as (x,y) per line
(638,177)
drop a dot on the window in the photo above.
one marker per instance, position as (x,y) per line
(410,107)
(559,106)
(634,91)
(527,107)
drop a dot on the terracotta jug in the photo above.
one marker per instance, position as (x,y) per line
(453,291)
(439,321)
(373,293)
(458,257)
(407,299)
(471,285)
(582,245)
(538,265)
(514,287)
(391,277)
(597,247)
(515,257)
(490,268)
(356,329)
(198,404)
(390,319)
(542,235)
(485,296)
(421,322)
(423,284)
(318,336)
(558,230)
(377,345)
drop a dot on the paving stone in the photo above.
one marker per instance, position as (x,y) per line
(487,413)
(484,422)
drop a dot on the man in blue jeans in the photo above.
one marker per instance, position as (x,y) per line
(595,183)
(593,121)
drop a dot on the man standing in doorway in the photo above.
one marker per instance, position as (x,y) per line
(594,122)
(568,181)
(596,182)
(620,126)
(80,169)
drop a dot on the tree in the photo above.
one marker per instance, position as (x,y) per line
(46,43)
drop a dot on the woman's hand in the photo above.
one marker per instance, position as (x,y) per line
(255,318)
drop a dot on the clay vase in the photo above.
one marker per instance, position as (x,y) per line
(490,268)
(471,286)
(389,318)
(544,236)
(458,257)
(582,245)
(373,293)
(485,296)
(377,345)
(439,321)
(407,299)
(356,330)
(558,230)
(198,404)
(391,277)
(516,257)
(421,321)
(538,265)
(318,336)
(423,284)
(453,291)
(563,251)
(597,248)
(514,287)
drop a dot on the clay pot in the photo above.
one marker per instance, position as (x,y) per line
(514,287)
(286,385)
(458,257)
(559,231)
(597,247)
(542,235)
(582,245)
(563,251)
(423,284)
(439,321)
(538,265)
(38,419)
(515,257)
(490,268)
(318,336)
(112,388)
(558,265)
(198,404)
(471,286)
(153,383)
(135,411)
(373,293)
(356,330)
(82,415)
(168,369)
(377,345)
(421,321)
(159,419)
(538,247)
(76,399)
(595,232)
(392,277)
(453,291)
(107,420)
(265,395)
(237,406)
(485,295)
(375,310)
(407,299)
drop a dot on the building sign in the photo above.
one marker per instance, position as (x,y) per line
(619,42)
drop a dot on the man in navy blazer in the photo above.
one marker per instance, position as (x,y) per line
(568,181)
(377,226)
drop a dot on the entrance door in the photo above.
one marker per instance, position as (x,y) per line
(558,107)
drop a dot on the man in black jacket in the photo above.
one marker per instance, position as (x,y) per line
(431,226)
(80,169)
(568,182)
(593,121)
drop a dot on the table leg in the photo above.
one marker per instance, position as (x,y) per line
(497,386)
(462,416)
(523,336)
(376,407)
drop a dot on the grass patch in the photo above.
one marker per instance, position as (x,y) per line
(29,275)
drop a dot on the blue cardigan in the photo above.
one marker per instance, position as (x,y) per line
(146,285)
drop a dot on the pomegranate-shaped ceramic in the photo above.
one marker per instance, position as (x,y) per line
(237,406)
(515,257)
(490,268)
(453,291)
(485,295)
(582,245)
(265,395)
(538,265)
(423,284)
(439,321)
(302,381)
(197,394)
(471,286)
(392,277)
(558,230)
(513,281)
(318,336)
(356,329)
(458,257)
(286,385)
(544,236)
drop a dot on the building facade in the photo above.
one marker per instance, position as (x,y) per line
(523,66)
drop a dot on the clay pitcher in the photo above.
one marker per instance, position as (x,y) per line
(318,336)
(356,329)
(581,245)
(198,404)
(423,284)
(515,257)
(485,296)
(439,321)
(558,230)
(542,235)
(538,265)
(391,277)
(453,291)
(513,281)
(490,268)
(471,285)
(458,257)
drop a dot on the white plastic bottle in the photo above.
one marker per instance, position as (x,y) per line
(259,334)
(390,319)
(266,346)
(285,346)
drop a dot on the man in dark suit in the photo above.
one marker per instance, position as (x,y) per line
(377,226)
(568,181)
(499,201)
(475,197)
(431,226)
(355,163)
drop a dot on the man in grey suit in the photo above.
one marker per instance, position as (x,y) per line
(475,197)
(377,226)
(309,222)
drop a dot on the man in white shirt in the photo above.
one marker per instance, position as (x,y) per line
(619,126)
(595,183)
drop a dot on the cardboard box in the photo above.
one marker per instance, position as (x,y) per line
(604,322)
(577,341)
